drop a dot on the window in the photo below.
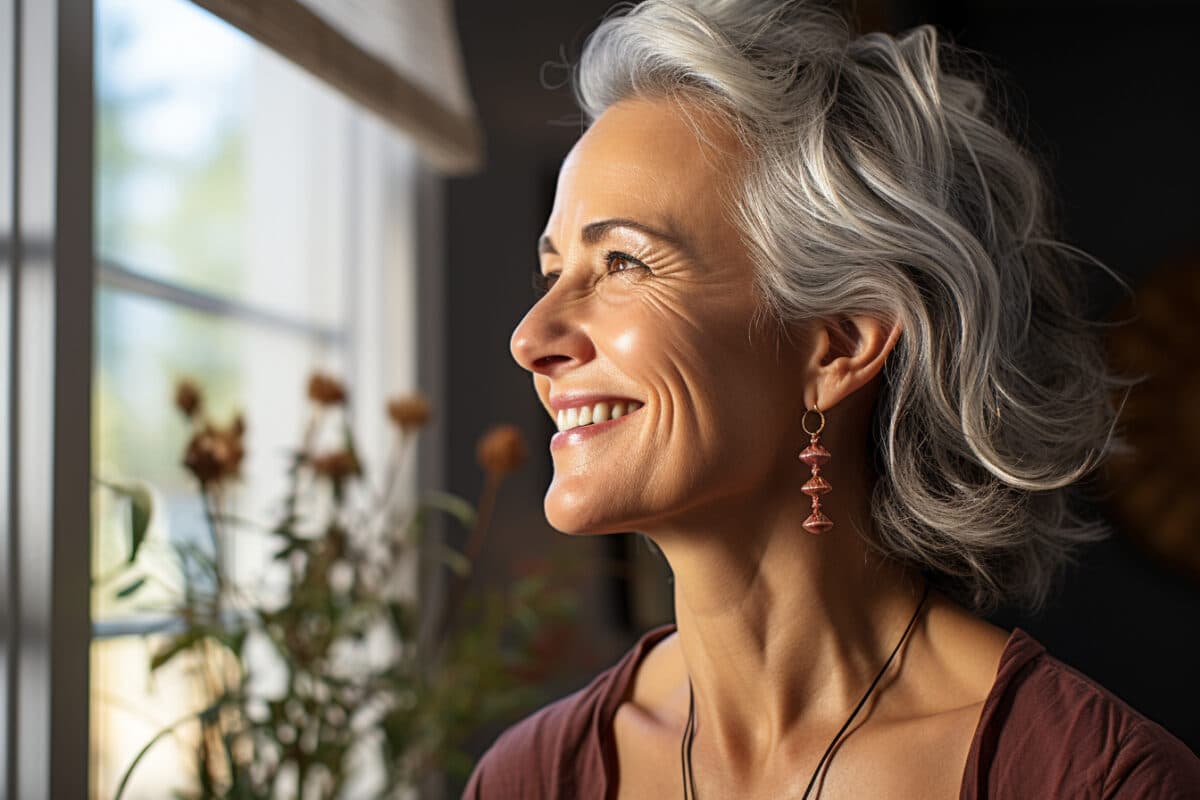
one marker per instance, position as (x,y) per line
(251,225)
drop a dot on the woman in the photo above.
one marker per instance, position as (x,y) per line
(777,242)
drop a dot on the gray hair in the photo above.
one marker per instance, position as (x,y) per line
(883,182)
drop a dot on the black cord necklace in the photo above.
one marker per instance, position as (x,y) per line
(689,732)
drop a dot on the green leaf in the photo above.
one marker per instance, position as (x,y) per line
(235,640)
(453,559)
(174,648)
(133,587)
(454,505)
(565,607)
(141,508)
(403,619)
(526,616)
(458,764)
(348,438)
(527,587)
(415,531)
(162,733)
(287,550)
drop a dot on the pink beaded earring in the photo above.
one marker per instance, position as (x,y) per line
(815,456)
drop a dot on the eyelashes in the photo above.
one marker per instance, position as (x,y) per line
(543,283)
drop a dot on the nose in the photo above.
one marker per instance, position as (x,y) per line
(551,338)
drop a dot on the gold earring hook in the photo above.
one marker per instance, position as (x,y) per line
(804,421)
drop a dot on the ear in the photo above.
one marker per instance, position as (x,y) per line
(847,354)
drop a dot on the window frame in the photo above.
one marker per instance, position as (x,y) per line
(45,376)
(49,275)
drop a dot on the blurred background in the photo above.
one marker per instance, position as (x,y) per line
(230,207)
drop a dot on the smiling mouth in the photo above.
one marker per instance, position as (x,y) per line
(584,433)
(598,413)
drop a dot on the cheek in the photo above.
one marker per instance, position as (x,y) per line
(714,388)
(711,395)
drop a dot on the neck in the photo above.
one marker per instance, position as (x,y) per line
(779,630)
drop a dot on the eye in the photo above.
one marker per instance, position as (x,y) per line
(542,283)
(617,257)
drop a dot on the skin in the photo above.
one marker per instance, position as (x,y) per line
(780,631)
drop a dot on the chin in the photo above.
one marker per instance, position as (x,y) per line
(574,524)
(580,514)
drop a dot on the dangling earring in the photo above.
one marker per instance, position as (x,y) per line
(815,456)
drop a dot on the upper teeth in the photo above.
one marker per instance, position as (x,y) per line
(600,412)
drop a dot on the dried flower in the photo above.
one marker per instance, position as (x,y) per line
(341,584)
(214,454)
(187,397)
(337,465)
(410,412)
(203,457)
(233,443)
(326,390)
(501,449)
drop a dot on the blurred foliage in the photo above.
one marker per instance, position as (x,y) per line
(362,677)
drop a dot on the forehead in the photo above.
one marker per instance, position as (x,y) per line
(651,158)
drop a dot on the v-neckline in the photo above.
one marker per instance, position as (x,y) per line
(1019,650)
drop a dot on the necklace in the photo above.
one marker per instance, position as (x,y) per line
(689,731)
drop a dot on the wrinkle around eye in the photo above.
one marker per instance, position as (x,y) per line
(656,270)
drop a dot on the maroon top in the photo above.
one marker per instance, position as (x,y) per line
(1046,730)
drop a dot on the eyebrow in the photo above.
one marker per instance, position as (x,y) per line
(595,231)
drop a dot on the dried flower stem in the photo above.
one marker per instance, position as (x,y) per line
(395,465)
(341,583)
(212,673)
(310,428)
(211,497)
(491,487)
(475,540)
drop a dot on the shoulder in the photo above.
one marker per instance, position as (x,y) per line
(1151,762)
(532,756)
(558,749)
(1047,729)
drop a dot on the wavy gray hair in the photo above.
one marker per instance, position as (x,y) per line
(883,183)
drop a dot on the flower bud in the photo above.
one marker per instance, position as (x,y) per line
(205,457)
(187,397)
(501,449)
(214,454)
(410,412)
(326,390)
(336,465)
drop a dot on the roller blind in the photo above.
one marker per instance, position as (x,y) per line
(399,58)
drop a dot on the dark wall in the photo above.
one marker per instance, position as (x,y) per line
(1110,92)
